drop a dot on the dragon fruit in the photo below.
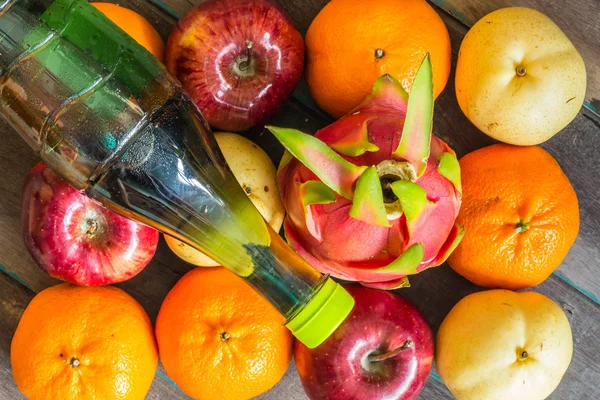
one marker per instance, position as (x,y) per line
(374,196)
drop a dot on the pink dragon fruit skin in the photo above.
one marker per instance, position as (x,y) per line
(345,170)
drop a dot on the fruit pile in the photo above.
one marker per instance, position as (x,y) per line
(373,198)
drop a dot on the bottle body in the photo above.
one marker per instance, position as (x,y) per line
(172,177)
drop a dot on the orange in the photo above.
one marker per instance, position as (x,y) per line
(77,342)
(520,214)
(135,26)
(218,339)
(353,42)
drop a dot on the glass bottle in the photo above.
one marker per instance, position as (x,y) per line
(110,120)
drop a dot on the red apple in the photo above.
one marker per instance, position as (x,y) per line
(238,59)
(383,350)
(74,238)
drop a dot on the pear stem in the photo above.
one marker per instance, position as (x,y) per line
(382,357)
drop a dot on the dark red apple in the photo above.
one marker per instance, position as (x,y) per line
(74,238)
(239,60)
(383,350)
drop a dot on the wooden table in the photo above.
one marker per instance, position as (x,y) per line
(575,286)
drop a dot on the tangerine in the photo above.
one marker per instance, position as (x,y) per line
(351,43)
(219,339)
(520,215)
(76,342)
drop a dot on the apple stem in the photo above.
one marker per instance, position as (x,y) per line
(382,357)
(243,66)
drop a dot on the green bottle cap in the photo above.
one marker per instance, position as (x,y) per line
(322,315)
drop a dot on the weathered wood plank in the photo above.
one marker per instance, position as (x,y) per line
(583,375)
(15,161)
(577,18)
(13,300)
(301,12)
(434,291)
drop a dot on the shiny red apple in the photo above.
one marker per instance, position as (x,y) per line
(74,238)
(383,350)
(238,59)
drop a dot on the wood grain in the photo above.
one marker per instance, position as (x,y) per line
(13,300)
(577,18)
(301,12)
(434,292)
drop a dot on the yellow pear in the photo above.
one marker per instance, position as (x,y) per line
(519,79)
(499,344)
